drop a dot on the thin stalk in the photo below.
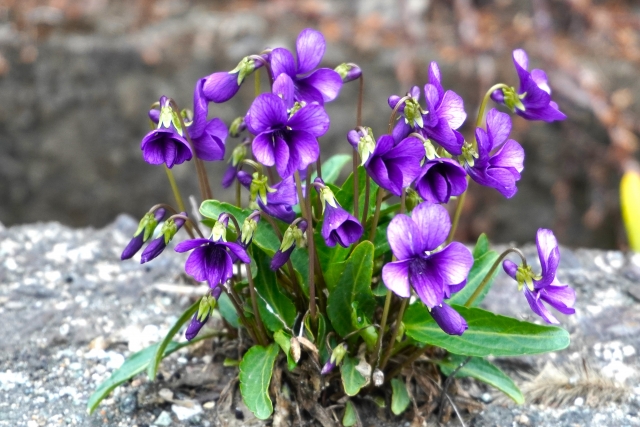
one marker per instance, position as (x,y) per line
(394,335)
(256,82)
(178,197)
(485,101)
(311,248)
(383,325)
(319,167)
(360,99)
(174,188)
(408,361)
(457,213)
(254,304)
(376,215)
(392,118)
(356,184)
(205,190)
(241,315)
(487,277)
(292,274)
(238,194)
(301,202)
(367,196)
(188,221)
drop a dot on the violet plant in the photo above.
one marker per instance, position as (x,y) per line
(348,283)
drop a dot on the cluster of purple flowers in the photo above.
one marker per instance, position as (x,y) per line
(425,150)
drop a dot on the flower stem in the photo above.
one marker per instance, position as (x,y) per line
(394,335)
(310,247)
(178,197)
(256,82)
(205,190)
(238,194)
(485,101)
(254,304)
(367,197)
(383,325)
(487,277)
(392,119)
(457,213)
(312,251)
(356,184)
(188,221)
(408,361)
(241,316)
(376,215)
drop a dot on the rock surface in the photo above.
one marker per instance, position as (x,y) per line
(72,312)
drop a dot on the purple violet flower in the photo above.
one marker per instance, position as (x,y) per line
(500,160)
(143,233)
(222,86)
(433,274)
(166,144)
(293,236)
(321,85)
(545,287)
(348,72)
(207,304)
(443,115)
(156,246)
(211,260)
(394,166)
(532,101)
(338,225)
(286,133)
(440,179)
(208,136)
(276,200)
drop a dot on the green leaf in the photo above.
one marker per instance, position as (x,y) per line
(255,375)
(332,167)
(265,238)
(481,247)
(134,365)
(354,286)
(352,380)
(484,371)
(488,333)
(483,260)
(152,370)
(350,417)
(274,306)
(380,240)
(331,258)
(345,195)
(399,396)
(227,310)
(284,341)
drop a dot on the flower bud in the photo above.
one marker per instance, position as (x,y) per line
(249,227)
(237,125)
(364,142)
(168,231)
(348,72)
(219,230)
(293,236)
(145,230)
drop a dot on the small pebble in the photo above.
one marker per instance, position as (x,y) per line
(163,420)
(579,401)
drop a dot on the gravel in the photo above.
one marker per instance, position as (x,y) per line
(72,312)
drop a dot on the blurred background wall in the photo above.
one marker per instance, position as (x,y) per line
(77,78)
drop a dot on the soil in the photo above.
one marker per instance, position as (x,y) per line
(72,312)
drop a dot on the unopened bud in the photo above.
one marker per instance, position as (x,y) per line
(348,72)
(237,125)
